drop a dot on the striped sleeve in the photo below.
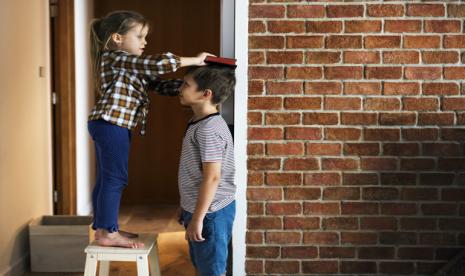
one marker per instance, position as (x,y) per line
(146,64)
(211,144)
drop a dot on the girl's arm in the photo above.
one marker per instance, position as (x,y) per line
(164,87)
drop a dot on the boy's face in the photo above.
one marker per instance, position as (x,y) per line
(190,95)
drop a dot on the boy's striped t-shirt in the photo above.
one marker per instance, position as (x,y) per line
(206,140)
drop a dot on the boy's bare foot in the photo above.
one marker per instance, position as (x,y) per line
(115,239)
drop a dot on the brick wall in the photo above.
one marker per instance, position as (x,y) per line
(356,136)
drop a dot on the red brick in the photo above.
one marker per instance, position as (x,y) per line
(342,103)
(437,239)
(283,238)
(401,57)
(343,72)
(286,26)
(451,164)
(393,88)
(291,103)
(362,26)
(303,133)
(362,88)
(436,118)
(272,118)
(454,41)
(423,73)
(402,26)
(255,87)
(301,164)
(361,149)
(397,119)
(320,118)
(442,26)
(359,208)
(339,164)
(323,149)
(358,179)
(360,57)
(304,42)
(336,11)
(378,223)
(398,238)
(263,164)
(302,193)
(453,134)
(288,87)
(257,27)
(343,134)
(441,209)
(381,134)
(260,133)
(383,72)
(285,208)
(297,252)
(396,268)
(337,252)
(453,103)
(376,252)
(454,73)
(262,251)
(358,238)
(439,178)
(380,193)
(319,267)
(441,149)
(321,238)
(257,72)
(264,223)
(285,149)
(382,104)
(399,209)
(358,267)
(401,149)
(398,178)
(254,237)
(254,118)
(453,194)
(305,11)
(422,41)
(322,179)
(420,134)
(420,104)
(301,223)
(416,253)
(304,72)
(440,88)
(323,88)
(419,194)
(456,10)
(256,58)
(287,267)
(382,41)
(267,11)
(440,57)
(340,223)
(343,41)
(341,193)
(385,164)
(253,266)
(283,179)
(255,208)
(255,149)
(385,10)
(254,179)
(266,42)
(324,27)
(425,10)
(358,118)
(460,119)
(420,164)
(324,208)
(267,103)
(323,57)
(287,57)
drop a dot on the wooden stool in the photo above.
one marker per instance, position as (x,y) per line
(143,256)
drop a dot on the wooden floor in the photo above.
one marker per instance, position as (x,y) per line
(161,219)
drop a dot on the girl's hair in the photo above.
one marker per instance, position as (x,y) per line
(101,30)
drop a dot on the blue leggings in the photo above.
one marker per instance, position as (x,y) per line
(112,145)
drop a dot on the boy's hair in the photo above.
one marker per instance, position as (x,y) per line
(101,30)
(219,79)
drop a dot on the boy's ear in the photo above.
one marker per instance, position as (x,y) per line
(208,94)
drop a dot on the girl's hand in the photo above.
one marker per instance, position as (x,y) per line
(201,58)
(194,231)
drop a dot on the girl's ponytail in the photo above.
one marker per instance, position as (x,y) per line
(96,48)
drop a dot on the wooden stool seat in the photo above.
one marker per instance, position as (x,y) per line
(142,256)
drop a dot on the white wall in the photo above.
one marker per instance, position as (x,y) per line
(25,121)
(85,161)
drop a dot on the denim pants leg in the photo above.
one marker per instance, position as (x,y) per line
(112,145)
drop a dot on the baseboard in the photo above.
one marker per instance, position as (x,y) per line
(18,268)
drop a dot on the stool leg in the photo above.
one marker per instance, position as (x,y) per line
(104,269)
(91,265)
(153,260)
(142,265)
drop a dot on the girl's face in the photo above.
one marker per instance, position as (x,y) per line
(133,41)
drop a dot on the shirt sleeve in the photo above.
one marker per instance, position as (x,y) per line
(211,145)
(149,65)
(164,87)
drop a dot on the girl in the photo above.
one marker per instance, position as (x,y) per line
(122,76)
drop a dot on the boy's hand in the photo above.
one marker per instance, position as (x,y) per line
(194,231)
(201,58)
(179,215)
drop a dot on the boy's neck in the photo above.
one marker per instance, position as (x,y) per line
(202,111)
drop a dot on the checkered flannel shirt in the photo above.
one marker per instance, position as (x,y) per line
(125,79)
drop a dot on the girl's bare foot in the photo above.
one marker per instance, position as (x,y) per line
(115,239)
(125,234)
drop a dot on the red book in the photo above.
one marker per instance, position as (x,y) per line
(221,61)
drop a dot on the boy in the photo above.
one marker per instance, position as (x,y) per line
(206,169)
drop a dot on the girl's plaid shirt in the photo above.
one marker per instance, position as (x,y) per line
(124,81)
